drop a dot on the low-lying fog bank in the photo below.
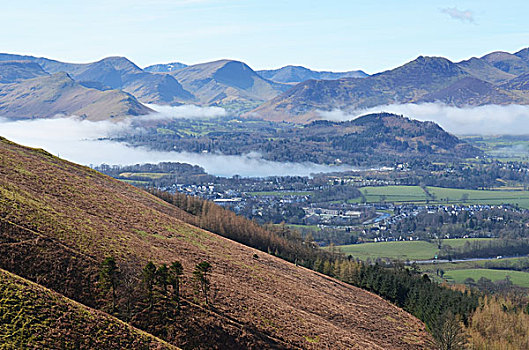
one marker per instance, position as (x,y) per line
(481,120)
(80,141)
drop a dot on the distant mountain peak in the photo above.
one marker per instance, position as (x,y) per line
(165,68)
(296,74)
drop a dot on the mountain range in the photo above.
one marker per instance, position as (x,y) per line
(495,78)
(225,81)
(298,74)
(33,93)
(116,87)
(60,223)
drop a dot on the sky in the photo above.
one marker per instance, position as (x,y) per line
(335,35)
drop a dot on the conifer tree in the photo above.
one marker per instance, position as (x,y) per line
(148,278)
(201,275)
(109,278)
(176,270)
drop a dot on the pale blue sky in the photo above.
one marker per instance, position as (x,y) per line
(331,35)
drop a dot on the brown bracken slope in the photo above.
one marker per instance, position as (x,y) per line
(59,220)
(38,318)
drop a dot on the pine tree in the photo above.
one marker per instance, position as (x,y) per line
(148,278)
(201,275)
(176,270)
(109,278)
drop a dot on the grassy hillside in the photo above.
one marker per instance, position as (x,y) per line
(60,220)
(35,317)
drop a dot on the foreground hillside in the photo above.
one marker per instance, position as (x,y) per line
(35,317)
(60,220)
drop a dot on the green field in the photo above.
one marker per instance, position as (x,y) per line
(394,194)
(407,250)
(517,277)
(415,194)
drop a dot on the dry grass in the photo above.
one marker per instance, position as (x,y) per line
(267,298)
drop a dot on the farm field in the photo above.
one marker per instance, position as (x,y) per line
(397,194)
(517,277)
(406,250)
(438,195)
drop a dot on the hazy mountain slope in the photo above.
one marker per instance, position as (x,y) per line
(165,67)
(225,81)
(400,85)
(523,54)
(69,218)
(472,92)
(38,318)
(298,74)
(110,71)
(508,62)
(157,88)
(50,66)
(482,70)
(14,71)
(520,83)
(49,95)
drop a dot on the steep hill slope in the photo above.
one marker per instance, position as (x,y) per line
(38,318)
(50,95)
(473,92)
(298,74)
(61,220)
(227,82)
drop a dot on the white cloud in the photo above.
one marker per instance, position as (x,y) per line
(183,112)
(462,15)
(481,120)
